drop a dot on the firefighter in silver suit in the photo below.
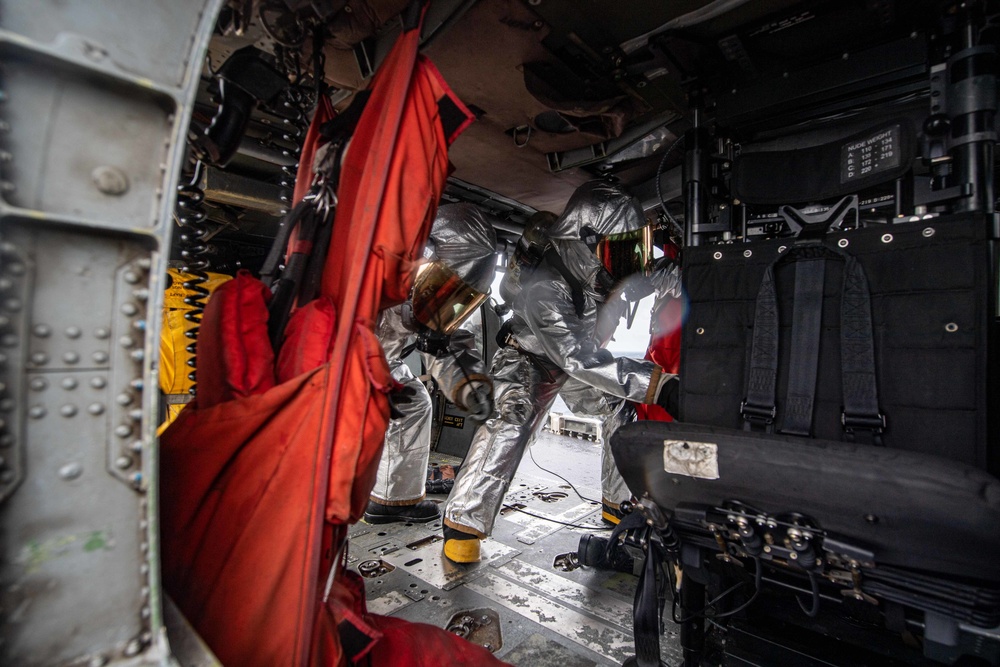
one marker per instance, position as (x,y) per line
(450,286)
(565,309)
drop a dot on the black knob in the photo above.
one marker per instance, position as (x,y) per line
(937,125)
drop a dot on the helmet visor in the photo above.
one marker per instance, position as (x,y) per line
(441,300)
(628,253)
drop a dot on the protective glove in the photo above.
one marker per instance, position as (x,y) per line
(668,394)
(477,399)
(402,396)
(665,279)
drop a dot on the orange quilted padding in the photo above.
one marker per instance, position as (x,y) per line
(235,358)
(259,483)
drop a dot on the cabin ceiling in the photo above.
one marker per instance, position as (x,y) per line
(566,90)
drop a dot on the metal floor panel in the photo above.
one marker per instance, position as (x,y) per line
(577,618)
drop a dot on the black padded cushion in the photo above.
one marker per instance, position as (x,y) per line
(933,514)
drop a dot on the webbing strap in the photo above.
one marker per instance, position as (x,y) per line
(807,316)
(857,355)
(646,610)
(758,408)
(647,605)
(859,387)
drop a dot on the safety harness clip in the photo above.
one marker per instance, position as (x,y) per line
(754,414)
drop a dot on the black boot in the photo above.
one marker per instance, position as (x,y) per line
(610,515)
(422,512)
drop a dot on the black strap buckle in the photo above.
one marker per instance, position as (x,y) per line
(874,423)
(755,414)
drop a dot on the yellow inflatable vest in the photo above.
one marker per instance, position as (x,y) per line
(174,356)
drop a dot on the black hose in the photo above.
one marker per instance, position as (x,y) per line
(814,586)
(659,190)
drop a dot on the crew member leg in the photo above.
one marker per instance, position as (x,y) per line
(586,401)
(398,494)
(524,392)
(613,489)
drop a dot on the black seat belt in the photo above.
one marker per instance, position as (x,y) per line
(807,316)
(758,408)
(857,356)
(647,605)
(859,387)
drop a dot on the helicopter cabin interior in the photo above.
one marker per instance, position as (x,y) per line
(150,151)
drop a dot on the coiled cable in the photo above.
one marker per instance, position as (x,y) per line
(190,215)
(296,104)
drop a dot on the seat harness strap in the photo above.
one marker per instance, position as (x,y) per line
(859,387)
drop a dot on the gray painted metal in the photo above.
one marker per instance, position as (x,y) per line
(96,101)
(16,271)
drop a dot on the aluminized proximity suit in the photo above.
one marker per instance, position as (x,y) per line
(465,242)
(556,345)
(402,469)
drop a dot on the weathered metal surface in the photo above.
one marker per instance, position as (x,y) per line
(595,602)
(74,535)
(388,603)
(96,101)
(148,39)
(479,626)
(70,129)
(539,528)
(16,271)
(609,640)
(540,651)
(427,562)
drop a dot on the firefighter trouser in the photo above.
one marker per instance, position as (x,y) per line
(402,470)
(524,390)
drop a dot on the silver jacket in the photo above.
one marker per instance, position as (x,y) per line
(546,324)
(402,469)
(555,350)
(463,239)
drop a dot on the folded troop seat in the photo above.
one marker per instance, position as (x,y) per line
(829,493)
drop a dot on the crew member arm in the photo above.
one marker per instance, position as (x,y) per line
(568,341)
(461,365)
